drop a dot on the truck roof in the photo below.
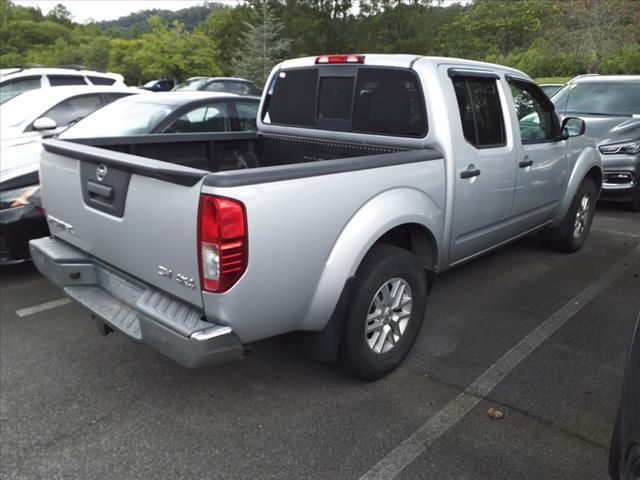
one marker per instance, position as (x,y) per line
(406,61)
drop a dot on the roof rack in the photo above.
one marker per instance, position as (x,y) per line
(26,66)
(73,67)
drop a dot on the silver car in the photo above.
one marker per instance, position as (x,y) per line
(610,108)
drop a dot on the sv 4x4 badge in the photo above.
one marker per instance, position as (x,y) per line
(180,278)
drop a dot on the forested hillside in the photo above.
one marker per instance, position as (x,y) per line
(137,23)
(541,37)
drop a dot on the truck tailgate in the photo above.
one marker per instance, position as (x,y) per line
(133,213)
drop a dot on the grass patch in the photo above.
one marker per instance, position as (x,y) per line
(552,79)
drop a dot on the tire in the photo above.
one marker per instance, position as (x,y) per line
(634,205)
(391,331)
(615,453)
(571,234)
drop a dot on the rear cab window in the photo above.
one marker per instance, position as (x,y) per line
(362,99)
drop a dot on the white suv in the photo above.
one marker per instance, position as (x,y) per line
(14,81)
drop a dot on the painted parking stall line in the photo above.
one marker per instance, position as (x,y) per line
(617,232)
(25,312)
(415,445)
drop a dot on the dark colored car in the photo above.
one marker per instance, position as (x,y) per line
(21,213)
(610,108)
(550,88)
(239,86)
(162,85)
(624,454)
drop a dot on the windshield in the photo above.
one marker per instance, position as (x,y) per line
(613,99)
(188,86)
(120,118)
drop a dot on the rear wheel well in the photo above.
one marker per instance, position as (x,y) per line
(418,240)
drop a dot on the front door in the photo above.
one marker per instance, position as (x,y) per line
(543,159)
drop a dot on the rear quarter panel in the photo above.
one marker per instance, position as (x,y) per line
(308,235)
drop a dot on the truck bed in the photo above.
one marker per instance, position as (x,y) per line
(215,152)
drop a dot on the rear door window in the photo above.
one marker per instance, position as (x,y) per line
(205,118)
(11,88)
(247,113)
(480,111)
(74,109)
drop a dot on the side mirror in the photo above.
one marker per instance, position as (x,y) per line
(45,123)
(572,127)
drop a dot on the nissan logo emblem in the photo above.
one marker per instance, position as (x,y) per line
(101,172)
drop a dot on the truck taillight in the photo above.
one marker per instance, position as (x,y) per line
(340,59)
(222,242)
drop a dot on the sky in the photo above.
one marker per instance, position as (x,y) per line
(85,10)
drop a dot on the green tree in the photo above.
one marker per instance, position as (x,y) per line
(60,14)
(224,27)
(263,46)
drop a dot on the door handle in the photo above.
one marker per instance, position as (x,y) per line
(96,189)
(525,163)
(470,172)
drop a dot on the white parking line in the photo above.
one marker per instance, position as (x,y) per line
(415,445)
(617,232)
(24,312)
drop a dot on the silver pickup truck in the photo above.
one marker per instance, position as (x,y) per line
(368,176)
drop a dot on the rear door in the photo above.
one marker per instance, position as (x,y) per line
(133,213)
(485,156)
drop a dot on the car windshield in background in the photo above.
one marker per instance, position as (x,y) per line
(190,86)
(612,99)
(120,119)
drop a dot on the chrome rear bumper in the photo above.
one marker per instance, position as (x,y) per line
(143,313)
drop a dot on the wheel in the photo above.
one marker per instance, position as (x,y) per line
(385,312)
(571,234)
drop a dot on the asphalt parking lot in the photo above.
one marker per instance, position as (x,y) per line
(538,335)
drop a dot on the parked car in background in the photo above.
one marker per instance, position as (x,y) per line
(162,85)
(239,86)
(170,112)
(21,213)
(550,88)
(46,112)
(624,454)
(25,120)
(14,81)
(610,107)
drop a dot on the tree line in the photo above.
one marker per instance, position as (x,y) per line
(545,38)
